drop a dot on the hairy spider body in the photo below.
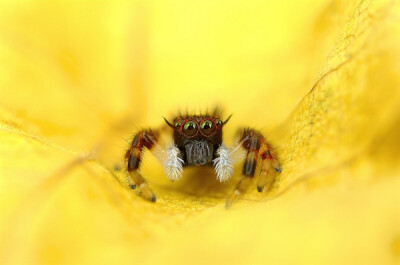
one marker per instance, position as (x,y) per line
(197,141)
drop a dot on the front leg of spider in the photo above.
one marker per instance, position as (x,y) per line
(143,139)
(256,147)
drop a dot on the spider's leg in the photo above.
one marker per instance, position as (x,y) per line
(143,139)
(269,168)
(255,145)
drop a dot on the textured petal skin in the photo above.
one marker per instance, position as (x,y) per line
(320,78)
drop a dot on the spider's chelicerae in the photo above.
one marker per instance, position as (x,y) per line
(197,141)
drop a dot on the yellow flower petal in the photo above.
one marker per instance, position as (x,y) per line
(320,78)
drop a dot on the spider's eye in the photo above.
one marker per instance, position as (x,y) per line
(207,127)
(219,122)
(190,128)
(177,124)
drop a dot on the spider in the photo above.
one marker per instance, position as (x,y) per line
(197,141)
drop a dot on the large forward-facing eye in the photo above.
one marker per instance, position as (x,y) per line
(190,128)
(207,127)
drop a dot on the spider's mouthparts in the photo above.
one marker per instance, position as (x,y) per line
(199,153)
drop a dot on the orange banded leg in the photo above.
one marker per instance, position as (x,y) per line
(256,146)
(269,168)
(143,139)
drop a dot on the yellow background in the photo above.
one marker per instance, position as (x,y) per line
(319,78)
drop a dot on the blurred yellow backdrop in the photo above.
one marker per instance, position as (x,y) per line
(319,78)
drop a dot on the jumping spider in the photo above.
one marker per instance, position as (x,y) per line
(197,141)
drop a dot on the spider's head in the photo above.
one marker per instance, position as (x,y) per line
(198,137)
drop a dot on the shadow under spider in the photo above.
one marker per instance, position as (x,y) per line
(201,182)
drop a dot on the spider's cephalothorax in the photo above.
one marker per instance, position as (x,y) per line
(197,141)
(197,138)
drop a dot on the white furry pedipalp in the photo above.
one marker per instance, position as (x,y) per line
(170,159)
(173,164)
(223,164)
